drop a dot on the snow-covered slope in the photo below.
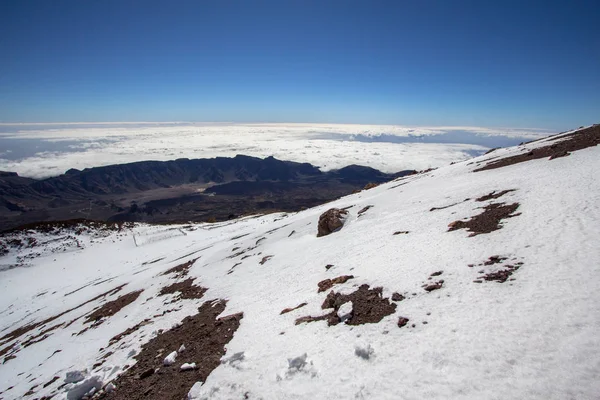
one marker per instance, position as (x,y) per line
(510,312)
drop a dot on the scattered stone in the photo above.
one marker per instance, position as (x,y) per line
(401,233)
(328,266)
(287,310)
(438,273)
(502,275)
(328,283)
(265,259)
(147,373)
(494,260)
(370,185)
(397,297)
(402,321)
(434,286)
(331,221)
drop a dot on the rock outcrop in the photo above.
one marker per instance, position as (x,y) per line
(331,221)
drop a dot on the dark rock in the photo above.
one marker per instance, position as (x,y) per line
(402,321)
(147,373)
(434,286)
(397,297)
(331,221)
(328,283)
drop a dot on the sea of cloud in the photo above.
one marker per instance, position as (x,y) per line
(43,150)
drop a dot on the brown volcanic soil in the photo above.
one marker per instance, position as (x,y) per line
(494,195)
(204,337)
(186,289)
(579,140)
(368,307)
(180,270)
(112,307)
(488,221)
(328,283)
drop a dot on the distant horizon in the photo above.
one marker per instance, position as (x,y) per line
(286,123)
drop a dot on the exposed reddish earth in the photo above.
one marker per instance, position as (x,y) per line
(204,337)
(186,290)
(287,310)
(488,221)
(562,147)
(368,307)
(180,270)
(111,308)
(328,283)
(494,195)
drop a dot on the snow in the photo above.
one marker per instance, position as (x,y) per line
(187,366)
(75,376)
(364,352)
(170,359)
(345,311)
(534,337)
(87,387)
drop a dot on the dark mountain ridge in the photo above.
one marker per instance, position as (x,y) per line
(178,190)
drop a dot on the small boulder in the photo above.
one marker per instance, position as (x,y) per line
(402,321)
(331,221)
(397,297)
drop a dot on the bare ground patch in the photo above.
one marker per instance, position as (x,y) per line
(287,310)
(204,337)
(328,283)
(488,221)
(502,275)
(180,270)
(494,195)
(579,140)
(111,308)
(368,307)
(186,290)
(364,210)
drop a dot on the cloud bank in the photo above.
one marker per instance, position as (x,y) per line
(42,150)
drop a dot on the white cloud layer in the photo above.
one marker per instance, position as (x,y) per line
(329,146)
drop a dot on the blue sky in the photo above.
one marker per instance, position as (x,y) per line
(483,63)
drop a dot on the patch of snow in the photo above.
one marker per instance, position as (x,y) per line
(364,352)
(75,376)
(170,359)
(78,391)
(187,366)
(345,311)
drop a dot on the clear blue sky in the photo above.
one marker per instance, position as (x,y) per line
(486,63)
